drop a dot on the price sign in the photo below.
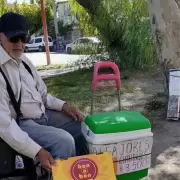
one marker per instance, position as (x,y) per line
(132,165)
(130,156)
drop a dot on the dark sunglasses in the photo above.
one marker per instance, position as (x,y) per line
(22,38)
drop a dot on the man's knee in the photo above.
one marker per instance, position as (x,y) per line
(61,120)
(63,145)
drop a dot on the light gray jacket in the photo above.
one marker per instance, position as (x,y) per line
(33,102)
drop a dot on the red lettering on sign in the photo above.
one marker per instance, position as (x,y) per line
(84,169)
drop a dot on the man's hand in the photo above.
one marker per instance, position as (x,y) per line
(45,159)
(73,112)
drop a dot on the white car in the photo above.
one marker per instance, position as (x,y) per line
(38,44)
(82,44)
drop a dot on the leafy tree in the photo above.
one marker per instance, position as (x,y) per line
(32,12)
(64,28)
(84,20)
(124,28)
(3,7)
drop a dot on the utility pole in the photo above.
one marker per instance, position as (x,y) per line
(55,22)
(45,32)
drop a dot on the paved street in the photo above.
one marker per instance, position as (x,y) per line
(39,58)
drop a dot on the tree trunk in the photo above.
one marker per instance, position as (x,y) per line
(165,23)
(55,23)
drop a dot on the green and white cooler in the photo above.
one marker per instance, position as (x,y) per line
(127,135)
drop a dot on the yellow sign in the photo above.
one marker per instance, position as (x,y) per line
(88,167)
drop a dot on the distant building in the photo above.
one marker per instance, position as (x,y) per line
(11,2)
(8,3)
(64,14)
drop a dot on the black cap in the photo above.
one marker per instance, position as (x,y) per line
(13,24)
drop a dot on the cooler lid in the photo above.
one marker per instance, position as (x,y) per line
(114,122)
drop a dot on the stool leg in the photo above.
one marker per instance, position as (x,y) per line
(119,100)
(92,103)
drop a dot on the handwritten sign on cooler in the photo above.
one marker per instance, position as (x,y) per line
(129,156)
(88,167)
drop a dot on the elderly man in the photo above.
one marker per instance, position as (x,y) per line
(48,128)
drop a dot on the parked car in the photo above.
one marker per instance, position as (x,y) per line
(38,44)
(83,44)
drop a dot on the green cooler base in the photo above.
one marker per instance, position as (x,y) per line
(134,175)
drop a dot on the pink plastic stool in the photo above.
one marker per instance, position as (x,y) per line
(115,76)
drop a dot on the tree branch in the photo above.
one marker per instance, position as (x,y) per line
(90,5)
(93,7)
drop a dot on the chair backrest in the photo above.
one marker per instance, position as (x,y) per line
(106,64)
(115,76)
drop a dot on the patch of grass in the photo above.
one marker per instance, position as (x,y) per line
(75,88)
(50,67)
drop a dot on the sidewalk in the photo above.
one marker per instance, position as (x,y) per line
(39,58)
(76,61)
(54,72)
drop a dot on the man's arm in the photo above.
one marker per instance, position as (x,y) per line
(49,101)
(11,133)
(52,102)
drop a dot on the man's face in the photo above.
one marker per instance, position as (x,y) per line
(14,46)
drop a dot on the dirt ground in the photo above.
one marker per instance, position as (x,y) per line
(149,98)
